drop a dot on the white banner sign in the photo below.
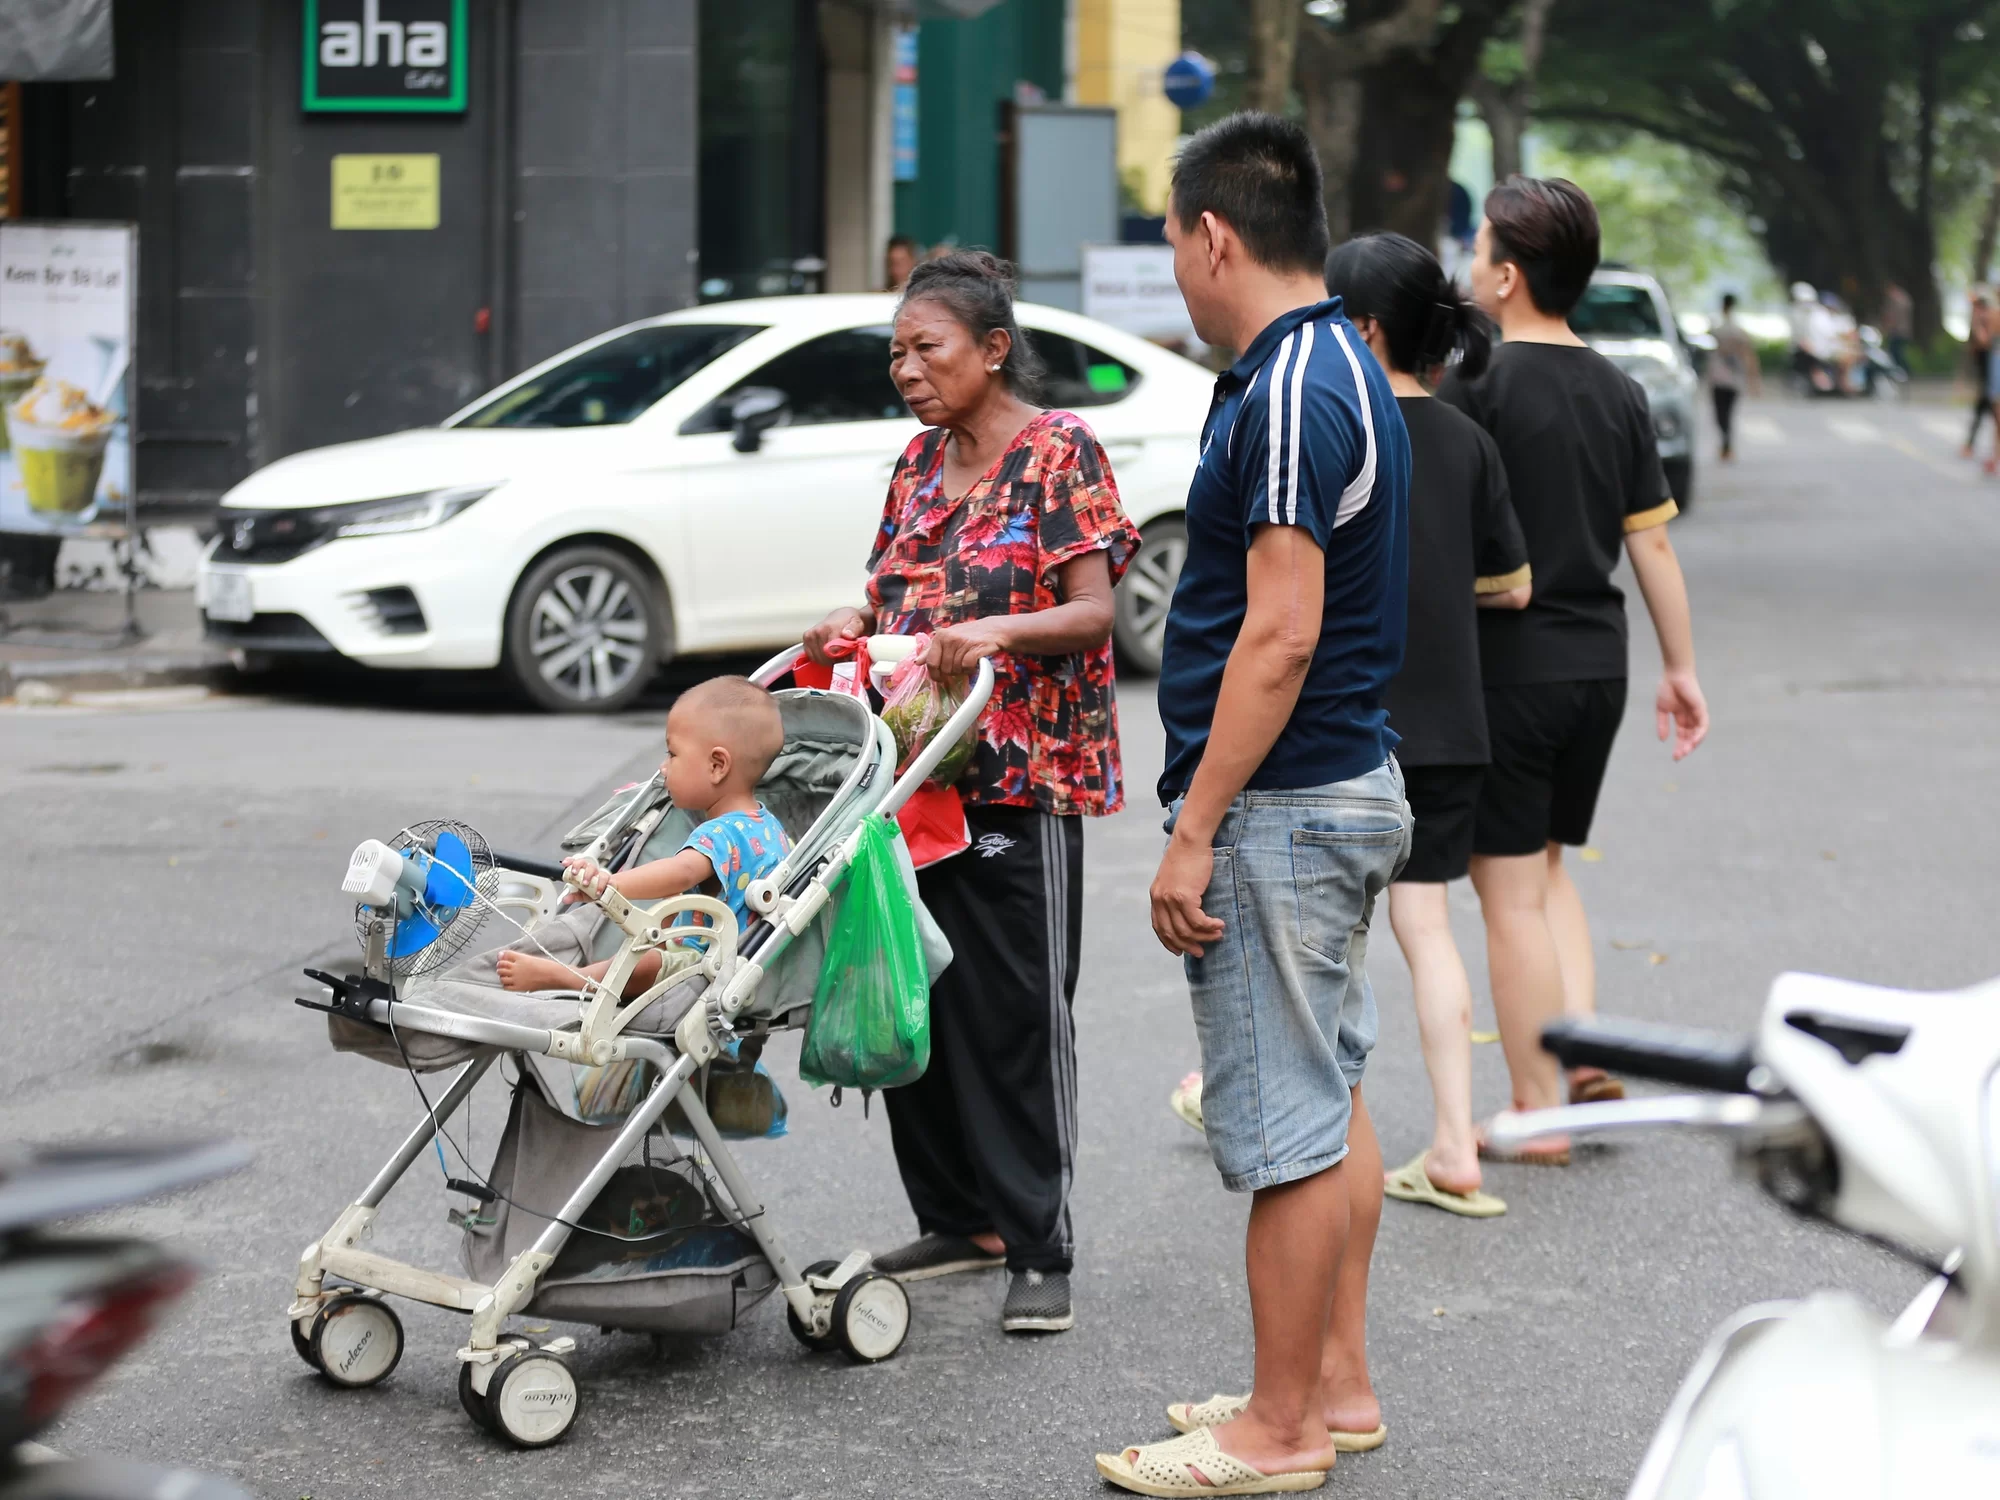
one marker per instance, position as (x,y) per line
(1132,287)
(67,306)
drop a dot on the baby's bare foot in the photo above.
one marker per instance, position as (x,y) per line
(524,971)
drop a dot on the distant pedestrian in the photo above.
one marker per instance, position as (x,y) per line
(1979,346)
(1731,368)
(1584,471)
(1899,315)
(1287,813)
(899,258)
(1466,550)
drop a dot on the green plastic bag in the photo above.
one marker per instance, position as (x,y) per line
(871,1016)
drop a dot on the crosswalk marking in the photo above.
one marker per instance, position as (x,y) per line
(1854,429)
(1937,424)
(1760,429)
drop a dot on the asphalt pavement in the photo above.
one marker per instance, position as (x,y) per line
(177,858)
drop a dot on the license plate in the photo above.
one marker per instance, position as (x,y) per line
(229,597)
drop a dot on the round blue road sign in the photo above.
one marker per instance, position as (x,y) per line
(1190,79)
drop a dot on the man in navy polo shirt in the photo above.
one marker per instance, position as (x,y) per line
(1287,810)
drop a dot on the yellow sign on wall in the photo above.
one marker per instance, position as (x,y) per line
(385,192)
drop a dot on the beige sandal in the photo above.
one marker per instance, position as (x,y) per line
(1187,1416)
(1196,1465)
(1412,1183)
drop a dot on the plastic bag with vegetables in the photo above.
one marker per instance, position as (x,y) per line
(915,707)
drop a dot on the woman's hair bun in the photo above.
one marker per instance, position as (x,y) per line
(977,288)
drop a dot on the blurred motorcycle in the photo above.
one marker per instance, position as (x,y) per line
(72,1305)
(1877,1111)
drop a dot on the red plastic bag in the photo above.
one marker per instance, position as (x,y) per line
(848,674)
(933,824)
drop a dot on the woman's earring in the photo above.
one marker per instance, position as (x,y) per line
(994,368)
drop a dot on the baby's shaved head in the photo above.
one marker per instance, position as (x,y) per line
(739,715)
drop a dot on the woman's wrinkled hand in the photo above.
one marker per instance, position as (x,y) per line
(845,623)
(957,650)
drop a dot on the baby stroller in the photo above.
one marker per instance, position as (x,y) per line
(636,1243)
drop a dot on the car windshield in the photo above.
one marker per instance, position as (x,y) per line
(613,381)
(1613,311)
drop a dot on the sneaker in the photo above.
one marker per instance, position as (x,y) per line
(936,1255)
(1038,1302)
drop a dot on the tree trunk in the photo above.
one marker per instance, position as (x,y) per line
(1274,42)
(1989,232)
(1507,106)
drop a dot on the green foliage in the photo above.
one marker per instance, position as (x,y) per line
(1661,210)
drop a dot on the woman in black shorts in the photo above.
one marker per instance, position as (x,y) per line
(1466,553)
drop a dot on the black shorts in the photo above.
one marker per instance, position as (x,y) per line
(1551,742)
(1444,801)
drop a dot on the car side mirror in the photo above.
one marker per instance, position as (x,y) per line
(754,411)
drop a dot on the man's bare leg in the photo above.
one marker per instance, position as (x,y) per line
(1345,1389)
(1525,971)
(1421,918)
(1297,1234)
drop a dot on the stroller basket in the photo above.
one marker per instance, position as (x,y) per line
(610,1224)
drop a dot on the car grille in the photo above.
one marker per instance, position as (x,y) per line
(270,536)
(272,632)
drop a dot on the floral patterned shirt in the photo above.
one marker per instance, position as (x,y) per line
(1049,736)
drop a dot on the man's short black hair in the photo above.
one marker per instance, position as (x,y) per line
(1259,175)
(1729,302)
(1548,227)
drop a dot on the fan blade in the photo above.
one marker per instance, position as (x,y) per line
(413,934)
(449,883)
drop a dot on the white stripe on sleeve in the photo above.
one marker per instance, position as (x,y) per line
(1295,399)
(1357,493)
(1275,405)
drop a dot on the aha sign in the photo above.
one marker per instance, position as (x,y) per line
(384,55)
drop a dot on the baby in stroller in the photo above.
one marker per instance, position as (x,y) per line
(721,738)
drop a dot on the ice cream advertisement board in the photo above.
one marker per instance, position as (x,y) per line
(67,302)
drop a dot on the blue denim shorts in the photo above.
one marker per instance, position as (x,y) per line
(1282,1001)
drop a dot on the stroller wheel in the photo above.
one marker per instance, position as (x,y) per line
(357,1340)
(532,1399)
(803,1334)
(871,1317)
(302,1342)
(472,1401)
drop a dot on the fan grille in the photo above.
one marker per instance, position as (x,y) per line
(456,925)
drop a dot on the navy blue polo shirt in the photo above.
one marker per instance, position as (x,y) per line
(1304,431)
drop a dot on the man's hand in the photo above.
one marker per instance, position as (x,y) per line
(957,650)
(1178,920)
(845,623)
(1680,709)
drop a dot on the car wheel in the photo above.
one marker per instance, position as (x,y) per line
(586,629)
(1680,481)
(1144,593)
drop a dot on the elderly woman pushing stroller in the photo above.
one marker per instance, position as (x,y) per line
(1002,538)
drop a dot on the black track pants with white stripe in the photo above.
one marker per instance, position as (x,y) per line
(986,1139)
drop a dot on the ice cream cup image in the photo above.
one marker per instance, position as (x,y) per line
(59,436)
(19,369)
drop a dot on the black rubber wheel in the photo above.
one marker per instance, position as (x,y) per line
(302,1343)
(800,1332)
(1680,481)
(532,1398)
(1139,611)
(357,1340)
(871,1317)
(586,630)
(472,1401)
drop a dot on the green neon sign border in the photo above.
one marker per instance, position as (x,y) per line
(451,103)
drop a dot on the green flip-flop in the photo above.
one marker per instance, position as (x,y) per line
(1412,1184)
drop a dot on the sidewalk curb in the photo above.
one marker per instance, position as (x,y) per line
(83,674)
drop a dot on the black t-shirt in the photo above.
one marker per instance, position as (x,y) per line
(1583,469)
(1464,541)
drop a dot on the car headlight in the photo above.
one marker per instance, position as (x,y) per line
(417,512)
(1666,422)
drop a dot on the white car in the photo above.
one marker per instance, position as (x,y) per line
(706,481)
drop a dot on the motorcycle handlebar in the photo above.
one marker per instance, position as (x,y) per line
(1669,1054)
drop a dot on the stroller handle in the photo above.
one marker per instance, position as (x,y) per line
(955,728)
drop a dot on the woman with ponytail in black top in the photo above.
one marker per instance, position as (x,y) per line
(1466,553)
